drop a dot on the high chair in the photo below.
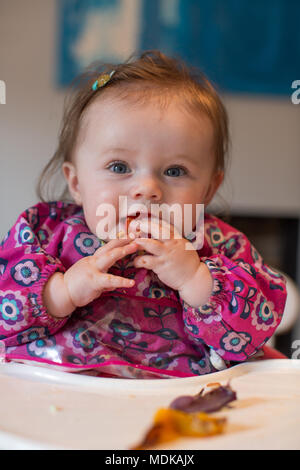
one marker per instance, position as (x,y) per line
(291,315)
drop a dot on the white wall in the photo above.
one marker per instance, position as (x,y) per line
(29,120)
(265,169)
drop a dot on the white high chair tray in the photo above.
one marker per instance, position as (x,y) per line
(41,408)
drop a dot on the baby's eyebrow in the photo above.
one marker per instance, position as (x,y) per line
(170,158)
(116,150)
(183,157)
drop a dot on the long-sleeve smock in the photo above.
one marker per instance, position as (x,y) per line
(143,331)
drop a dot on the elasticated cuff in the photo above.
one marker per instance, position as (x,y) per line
(217,297)
(36,303)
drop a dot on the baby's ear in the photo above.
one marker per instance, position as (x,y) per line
(70,175)
(216,181)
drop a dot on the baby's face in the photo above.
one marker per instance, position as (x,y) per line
(148,154)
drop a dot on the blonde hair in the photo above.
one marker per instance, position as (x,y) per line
(152,72)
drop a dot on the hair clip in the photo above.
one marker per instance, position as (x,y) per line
(102,80)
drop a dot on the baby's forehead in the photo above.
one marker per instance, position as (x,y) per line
(130,95)
(141,133)
(111,100)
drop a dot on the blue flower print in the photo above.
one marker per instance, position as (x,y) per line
(25,235)
(123,329)
(232,246)
(264,316)
(84,339)
(45,348)
(12,307)
(26,272)
(235,342)
(9,310)
(199,367)
(216,236)
(33,334)
(156,291)
(86,243)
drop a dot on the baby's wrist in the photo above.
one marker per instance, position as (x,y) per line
(56,297)
(197,290)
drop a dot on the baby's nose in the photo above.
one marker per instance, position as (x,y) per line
(146,189)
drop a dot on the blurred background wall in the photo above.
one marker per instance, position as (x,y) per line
(263,178)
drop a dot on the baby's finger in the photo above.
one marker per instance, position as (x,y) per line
(110,245)
(106,282)
(160,230)
(146,261)
(109,258)
(155,247)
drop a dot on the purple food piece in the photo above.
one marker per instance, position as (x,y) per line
(208,403)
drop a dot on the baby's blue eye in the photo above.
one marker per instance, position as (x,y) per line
(118,167)
(175,171)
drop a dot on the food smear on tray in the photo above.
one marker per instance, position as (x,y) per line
(186,417)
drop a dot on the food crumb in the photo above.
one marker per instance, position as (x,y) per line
(120,234)
(54,409)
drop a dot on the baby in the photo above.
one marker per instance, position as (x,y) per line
(139,304)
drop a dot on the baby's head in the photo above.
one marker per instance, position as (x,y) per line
(155,133)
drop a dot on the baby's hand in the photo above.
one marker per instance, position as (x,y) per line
(176,266)
(87,279)
(167,256)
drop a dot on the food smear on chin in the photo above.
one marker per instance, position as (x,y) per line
(129,219)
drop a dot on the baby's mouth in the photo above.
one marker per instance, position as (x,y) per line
(126,221)
(130,218)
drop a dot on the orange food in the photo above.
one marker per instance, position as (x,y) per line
(171,424)
(129,219)
(213,384)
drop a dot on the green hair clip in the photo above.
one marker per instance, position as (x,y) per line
(102,80)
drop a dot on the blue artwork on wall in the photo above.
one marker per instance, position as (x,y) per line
(244,46)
